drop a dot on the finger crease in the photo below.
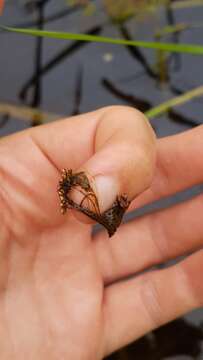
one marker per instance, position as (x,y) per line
(44,152)
(151,301)
(159,237)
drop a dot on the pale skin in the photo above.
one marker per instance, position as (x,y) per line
(60,297)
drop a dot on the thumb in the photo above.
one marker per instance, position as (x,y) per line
(123,156)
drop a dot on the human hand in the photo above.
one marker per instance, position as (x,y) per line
(53,299)
(60,296)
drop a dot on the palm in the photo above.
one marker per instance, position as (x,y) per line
(51,276)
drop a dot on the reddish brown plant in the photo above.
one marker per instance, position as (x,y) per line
(1,5)
(89,205)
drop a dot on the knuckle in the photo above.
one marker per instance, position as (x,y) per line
(159,236)
(129,115)
(192,284)
(152,304)
(144,160)
(123,108)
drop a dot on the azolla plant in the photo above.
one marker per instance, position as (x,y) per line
(89,205)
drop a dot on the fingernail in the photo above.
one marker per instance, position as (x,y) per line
(107,190)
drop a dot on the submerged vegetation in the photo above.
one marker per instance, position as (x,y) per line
(118,14)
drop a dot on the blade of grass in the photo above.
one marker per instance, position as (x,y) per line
(168,30)
(170,47)
(186,4)
(27,113)
(179,100)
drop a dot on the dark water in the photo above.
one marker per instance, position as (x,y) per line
(66,78)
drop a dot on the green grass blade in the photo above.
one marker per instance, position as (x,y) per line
(170,47)
(184,4)
(179,100)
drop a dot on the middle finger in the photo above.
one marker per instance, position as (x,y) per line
(150,240)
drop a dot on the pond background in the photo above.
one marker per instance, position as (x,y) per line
(70,79)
